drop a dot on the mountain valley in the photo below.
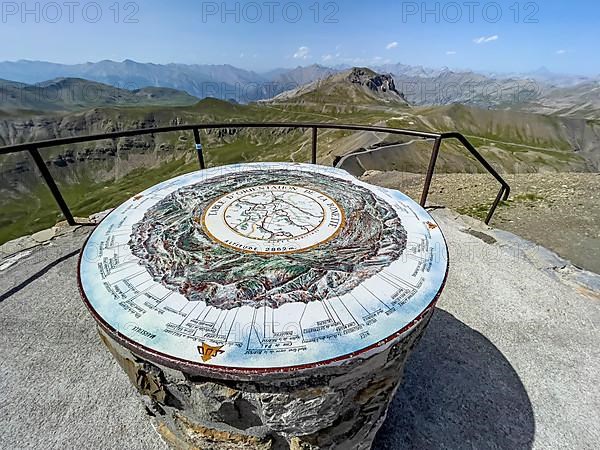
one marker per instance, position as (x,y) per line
(99,175)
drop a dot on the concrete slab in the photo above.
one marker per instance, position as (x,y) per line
(44,235)
(510,360)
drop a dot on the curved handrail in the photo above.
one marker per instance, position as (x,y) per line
(190,127)
(33,149)
(465,142)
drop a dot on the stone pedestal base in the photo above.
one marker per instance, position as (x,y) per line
(329,407)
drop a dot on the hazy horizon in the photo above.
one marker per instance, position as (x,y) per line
(503,37)
(296,66)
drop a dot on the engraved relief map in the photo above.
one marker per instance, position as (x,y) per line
(263,266)
(275,216)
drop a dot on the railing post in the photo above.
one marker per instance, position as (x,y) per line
(37,158)
(504,191)
(492,210)
(199,149)
(314,145)
(430,170)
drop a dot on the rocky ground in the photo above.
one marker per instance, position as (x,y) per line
(560,211)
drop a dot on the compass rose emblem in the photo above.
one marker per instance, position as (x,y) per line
(208,352)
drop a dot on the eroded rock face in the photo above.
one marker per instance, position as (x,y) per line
(328,407)
(374,81)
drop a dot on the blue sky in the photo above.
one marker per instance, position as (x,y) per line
(563,36)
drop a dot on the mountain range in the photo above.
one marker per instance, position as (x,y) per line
(219,81)
(538,91)
(71,94)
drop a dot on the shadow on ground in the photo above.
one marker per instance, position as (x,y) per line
(459,392)
(40,273)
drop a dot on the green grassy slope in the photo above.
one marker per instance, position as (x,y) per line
(75,94)
(91,186)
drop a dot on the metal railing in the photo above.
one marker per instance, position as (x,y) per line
(34,150)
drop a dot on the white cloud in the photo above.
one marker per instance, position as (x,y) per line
(450,52)
(366,61)
(354,60)
(486,39)
(561,52)
(391,45)
(302,53)
(327,57)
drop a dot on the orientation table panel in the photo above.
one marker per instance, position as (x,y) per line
(263,267)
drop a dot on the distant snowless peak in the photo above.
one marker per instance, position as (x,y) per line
(227,81)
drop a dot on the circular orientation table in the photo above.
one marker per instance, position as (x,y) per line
(268,305)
